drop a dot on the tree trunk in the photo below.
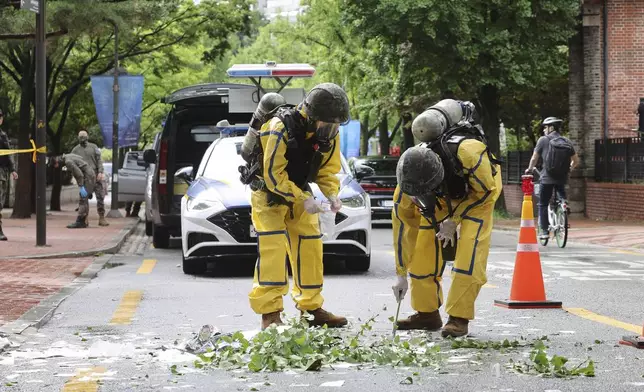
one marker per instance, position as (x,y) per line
(408,136)
(383,135)
(57,181)
(23,206)
(364,136)
(489,97)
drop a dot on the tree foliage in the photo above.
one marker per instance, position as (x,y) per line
(83,46)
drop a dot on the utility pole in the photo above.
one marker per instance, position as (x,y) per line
(41,123)
(114,208)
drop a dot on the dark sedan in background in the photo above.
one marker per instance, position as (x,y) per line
(377,176)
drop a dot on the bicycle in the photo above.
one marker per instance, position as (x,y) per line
(557,221)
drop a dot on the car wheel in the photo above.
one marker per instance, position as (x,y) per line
(359,263)
(148,227)
(160,237)
(193,267)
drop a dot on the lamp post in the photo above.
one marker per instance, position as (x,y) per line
(114,207)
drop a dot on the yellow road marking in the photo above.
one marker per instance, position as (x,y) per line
(85,381)
(587,314)
(127,307)
(490,286)
(147,266)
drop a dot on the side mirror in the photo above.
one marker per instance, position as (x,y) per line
(185,173)
(150,157)
(362,171)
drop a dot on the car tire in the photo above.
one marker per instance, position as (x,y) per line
(148,227)
(193,267)
(160,237)
(358,263)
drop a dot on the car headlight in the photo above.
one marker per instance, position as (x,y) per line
(200,204)
(357,201)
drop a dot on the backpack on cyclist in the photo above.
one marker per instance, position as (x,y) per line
(557,159)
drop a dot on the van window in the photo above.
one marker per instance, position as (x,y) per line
(204,133)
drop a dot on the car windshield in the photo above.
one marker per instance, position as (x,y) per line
(225,159)
(381,166)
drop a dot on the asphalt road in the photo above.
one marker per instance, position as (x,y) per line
(80,350)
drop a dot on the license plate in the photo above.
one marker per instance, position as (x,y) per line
(387,203)
(253,233)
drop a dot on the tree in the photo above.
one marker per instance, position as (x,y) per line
(475,50)
(83,46)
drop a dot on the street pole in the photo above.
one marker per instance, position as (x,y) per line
(41,122)
(114,209)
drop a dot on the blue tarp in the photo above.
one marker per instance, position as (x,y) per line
(130,106)
(350,139)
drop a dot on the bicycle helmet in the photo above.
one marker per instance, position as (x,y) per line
(552,121)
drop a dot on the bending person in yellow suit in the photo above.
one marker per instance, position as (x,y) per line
(299,145)
(432,191)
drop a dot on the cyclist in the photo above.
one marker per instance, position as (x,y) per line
(558,158)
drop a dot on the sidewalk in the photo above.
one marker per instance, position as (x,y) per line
(33,278)
(61,241)
(615,234)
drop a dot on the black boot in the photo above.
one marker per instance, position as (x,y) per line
(79,224)
(2,236)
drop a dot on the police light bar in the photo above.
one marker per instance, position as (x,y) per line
(270,69)
(233,131)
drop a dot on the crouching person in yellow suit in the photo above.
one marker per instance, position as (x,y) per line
(441,185)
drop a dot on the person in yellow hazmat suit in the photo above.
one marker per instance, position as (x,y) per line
(299,145)
(450,179)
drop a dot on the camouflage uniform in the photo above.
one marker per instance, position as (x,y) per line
(6,168)
(92,155)
(84,176)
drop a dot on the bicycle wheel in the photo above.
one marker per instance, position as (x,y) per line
(561,233)
(543,241)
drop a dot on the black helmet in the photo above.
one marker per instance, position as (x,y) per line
(327,102)
(552,121)
(419,171)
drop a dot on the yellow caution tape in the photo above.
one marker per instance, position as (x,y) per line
(34,150)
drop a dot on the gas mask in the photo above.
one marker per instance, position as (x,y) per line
(83,140)
(426,204)
(325,133)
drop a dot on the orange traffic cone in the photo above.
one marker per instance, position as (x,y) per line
(635,341)
(527,282)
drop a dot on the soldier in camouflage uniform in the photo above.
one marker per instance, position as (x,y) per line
(92,155)
(85,178)
(7,171)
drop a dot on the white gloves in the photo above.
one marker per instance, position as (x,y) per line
(400,288)
(311,206)
(447,232)
(336,204)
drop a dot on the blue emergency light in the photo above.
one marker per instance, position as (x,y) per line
(233,131)
(270,69)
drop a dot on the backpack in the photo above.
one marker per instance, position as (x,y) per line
(557,159)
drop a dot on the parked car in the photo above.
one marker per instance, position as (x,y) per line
(189,129)
(216,214)
(132,178)
(377,176)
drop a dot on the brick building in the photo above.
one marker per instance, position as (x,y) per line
(606,83)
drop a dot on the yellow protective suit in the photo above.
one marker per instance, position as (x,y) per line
(418,252)
(282,237)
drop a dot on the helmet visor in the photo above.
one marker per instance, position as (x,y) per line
(426,202)
(327,131)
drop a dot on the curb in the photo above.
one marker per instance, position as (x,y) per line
(111,248)
(40,314)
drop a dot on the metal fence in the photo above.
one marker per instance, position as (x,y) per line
(514,166)
(619,160)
